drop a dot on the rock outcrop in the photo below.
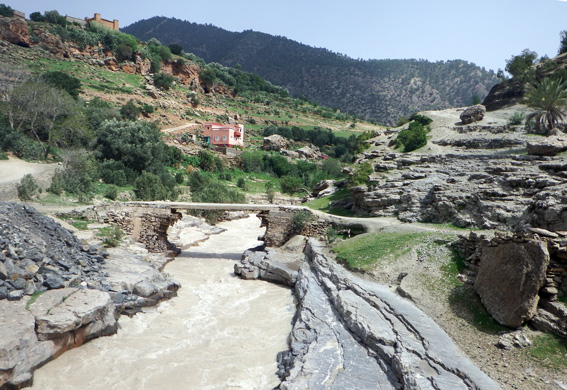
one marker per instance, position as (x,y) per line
(275,142)
(480,190)
(473,114)
(520,277)
(352,334)
(57,292)
(36,331)
(509,278)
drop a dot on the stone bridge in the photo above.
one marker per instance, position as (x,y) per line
(148,222)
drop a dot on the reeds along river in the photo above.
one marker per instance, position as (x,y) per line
(221,332)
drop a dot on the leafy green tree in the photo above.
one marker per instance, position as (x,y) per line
(137,145)
(563,42)
(290,184)
(28,188)
(6,11)
(80,171)
(549,97)
(521,66)
(412,138)
(63,81)
(362,174)
(149,187)
(176,49)
(163,80)
(54,17)
(37,17)
(46,114)
(130,111)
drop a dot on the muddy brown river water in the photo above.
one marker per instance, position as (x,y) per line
(221,332)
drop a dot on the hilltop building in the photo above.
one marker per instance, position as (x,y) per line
(113,25)
(224,135)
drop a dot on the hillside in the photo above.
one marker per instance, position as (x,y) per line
(383,90)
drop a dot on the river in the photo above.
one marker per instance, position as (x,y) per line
(221,332)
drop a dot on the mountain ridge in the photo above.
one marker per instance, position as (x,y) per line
(384,90)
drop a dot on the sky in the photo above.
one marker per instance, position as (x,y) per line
(484,32)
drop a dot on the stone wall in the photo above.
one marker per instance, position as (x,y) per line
(146,225)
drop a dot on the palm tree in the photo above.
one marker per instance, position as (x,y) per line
(549,97)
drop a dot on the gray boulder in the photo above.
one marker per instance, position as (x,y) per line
(549,146)
(509,278)
(473,114)
(275,142)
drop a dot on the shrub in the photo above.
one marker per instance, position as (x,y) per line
(111,192)
(28,188)
(36,17)
(179,178)
(176,49)
(130,111)
(6,10)
(80,170)
(520,66)
(516,119)
(241,183)
(63,81)
(290,184)
(111,236)
(149,187)
(113,172)
(362,174)
(301,219)
(424,120)
(412,138)
(163,80)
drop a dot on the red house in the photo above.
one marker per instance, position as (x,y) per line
(224,135)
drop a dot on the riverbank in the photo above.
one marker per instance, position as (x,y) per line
(219,332)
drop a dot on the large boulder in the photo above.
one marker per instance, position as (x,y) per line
(275,142)
(473,114)
(548,146)
(510,276)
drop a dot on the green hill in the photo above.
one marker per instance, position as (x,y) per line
(375,89)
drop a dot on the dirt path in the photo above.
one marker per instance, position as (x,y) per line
(12,171)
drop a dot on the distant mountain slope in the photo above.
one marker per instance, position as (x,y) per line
(381,89)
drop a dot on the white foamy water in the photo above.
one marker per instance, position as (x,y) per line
(221,332)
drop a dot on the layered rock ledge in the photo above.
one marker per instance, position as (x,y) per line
(349,333)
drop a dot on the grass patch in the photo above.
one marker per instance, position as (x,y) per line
(550,350)
(324,203)
(111,236)
(33,298)
(363,252)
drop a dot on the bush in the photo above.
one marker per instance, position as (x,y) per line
(23,147)
(6,11)
(176,49)
(63,81)
(301,219)
(28,188)
(241,183)
(412,138)
(516,119)
(111,192)
(179,178)
(424,120)
(163,80)
(290,184)
(130,111)
(149,187)
(79,172)
(111,236)
(113,172)
(362,174)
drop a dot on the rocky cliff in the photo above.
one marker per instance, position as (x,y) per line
(352,334)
